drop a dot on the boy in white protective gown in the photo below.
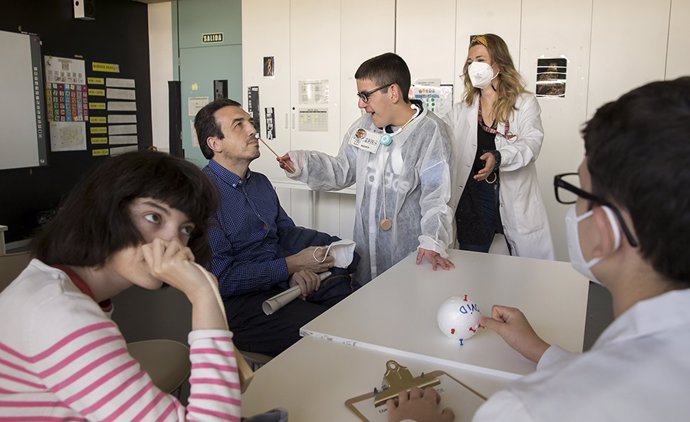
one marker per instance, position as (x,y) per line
(398,153)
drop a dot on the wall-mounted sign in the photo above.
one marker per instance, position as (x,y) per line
(212,38)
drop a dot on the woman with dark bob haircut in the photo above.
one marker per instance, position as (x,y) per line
(137,219)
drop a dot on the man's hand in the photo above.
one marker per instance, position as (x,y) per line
(434,258)
(307,281)
(309,259)
(513,327)
(419,406)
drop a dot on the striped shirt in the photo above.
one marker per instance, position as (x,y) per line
(62,358)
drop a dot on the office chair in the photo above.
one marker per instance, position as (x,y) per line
(255,360)
(11,265)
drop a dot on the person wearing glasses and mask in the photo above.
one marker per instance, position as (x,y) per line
(497,135)
(627,228)
(398,153)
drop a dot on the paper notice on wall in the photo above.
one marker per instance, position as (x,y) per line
(195,140)
(122,129)
(120,94)
(67,136)
(436,97)
(122,118)
(194,104)
(313,120)
(122,106)
(121,150)
(123,139)
(66,91)
(65,71)
(119,83)
(313,92)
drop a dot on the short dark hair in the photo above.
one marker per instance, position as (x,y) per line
(388,68)
(94,221)
(206,125)
(638,150)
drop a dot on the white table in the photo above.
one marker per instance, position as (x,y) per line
(396,312)
(313,378)
(394,317)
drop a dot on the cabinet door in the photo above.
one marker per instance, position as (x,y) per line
(562,118)
(628,49)
(426,38)
(679,40)
(315,70)
(266,34)
(367,30)
(500,17)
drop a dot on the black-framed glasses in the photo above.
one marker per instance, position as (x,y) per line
(567,188)
(364,95)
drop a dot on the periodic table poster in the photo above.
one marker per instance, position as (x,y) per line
(66,103)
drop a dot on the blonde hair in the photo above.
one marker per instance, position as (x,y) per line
(511,84)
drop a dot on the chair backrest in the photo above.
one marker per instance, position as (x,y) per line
(11,265)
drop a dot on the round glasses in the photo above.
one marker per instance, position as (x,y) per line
(364,95)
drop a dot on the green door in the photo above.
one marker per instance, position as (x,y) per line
(210,48)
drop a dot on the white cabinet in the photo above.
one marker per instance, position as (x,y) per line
(611,47)
(316,46)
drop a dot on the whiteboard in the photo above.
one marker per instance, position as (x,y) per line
(22,115)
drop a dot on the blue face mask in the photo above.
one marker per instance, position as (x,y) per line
(577,259)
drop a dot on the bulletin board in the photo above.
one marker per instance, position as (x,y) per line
(114,84)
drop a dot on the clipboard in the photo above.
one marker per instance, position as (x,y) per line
(455,394)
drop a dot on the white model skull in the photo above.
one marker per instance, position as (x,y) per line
(458,318)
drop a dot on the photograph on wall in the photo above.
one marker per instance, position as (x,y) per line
(551,77)
(269,66)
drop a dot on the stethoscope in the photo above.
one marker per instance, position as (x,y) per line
(387,138)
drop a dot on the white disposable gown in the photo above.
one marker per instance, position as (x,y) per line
(411,176)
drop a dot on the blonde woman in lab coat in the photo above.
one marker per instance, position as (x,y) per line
(497,135)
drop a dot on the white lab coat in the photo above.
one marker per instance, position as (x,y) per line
(523,214)
(637,371)
(411,176)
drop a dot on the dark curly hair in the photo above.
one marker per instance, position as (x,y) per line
(94,221)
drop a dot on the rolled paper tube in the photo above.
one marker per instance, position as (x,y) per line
(273,304)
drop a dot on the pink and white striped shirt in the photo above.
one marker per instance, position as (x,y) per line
(62,358)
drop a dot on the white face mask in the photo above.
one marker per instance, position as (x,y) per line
(342,250)
(481,74)
(577,259)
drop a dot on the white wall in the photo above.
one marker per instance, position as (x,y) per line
(161,63)
(611,47)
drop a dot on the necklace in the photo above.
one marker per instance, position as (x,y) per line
(386,223)
(387,138)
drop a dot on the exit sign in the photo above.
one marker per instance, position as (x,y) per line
(212,38)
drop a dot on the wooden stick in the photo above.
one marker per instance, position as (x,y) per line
(289,167)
